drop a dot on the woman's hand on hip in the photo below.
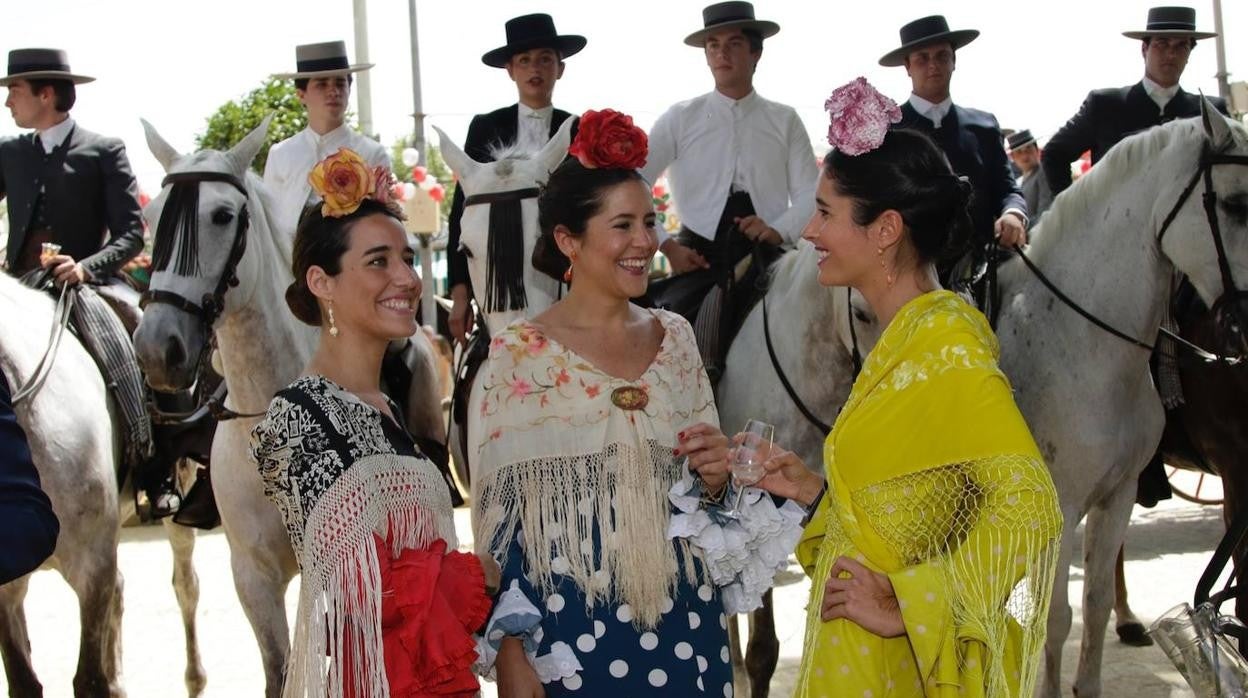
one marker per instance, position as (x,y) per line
(516,676)
(707,449)
(864,596)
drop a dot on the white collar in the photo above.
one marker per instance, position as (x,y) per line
(934,111)
(1160,94)
(337,134)
(726,101)
(545,112)
(52,137)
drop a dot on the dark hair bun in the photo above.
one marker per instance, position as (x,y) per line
(303,304)
(910,175)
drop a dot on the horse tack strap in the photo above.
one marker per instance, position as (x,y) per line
(784,380)
(194,177)
(501,196)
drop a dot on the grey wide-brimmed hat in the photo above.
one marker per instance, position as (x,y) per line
(1020,139)
(528,32)
(40,64)
(730,15)
(925,32)
(1170,21)
(323,60)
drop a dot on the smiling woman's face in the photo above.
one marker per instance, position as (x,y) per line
(613,256)
(377,291)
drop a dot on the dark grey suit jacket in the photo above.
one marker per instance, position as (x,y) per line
(487,131)
(92,203)
(1106,117)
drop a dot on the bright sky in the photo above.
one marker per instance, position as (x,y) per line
(174,62)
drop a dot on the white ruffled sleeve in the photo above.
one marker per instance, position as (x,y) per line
(742,555)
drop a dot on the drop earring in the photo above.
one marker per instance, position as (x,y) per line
(333,327)
(567,273)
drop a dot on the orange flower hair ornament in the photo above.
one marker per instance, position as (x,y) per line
(608,139)
(344,180)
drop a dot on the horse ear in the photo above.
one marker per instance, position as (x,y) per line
(246,150)
(1216,130)
(165,154)
(555,150)
(462,165)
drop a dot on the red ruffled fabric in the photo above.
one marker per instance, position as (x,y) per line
(431,603)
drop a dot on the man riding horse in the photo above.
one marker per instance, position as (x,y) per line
(75,221)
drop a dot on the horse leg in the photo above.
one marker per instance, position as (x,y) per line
(94,577)
(763,650)
(1106,529)
(15,642)
(186,589)
(261,586)
(1129,628)
(1059,614)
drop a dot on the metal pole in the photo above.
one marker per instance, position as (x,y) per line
(1224,86)
(364,93)
(428,309)
(418,112)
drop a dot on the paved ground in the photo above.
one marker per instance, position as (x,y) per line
(1167,551)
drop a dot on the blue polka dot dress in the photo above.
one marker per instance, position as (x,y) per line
(685,655)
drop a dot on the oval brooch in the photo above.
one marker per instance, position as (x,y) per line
(630,398)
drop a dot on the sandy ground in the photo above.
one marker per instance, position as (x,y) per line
(1167,550)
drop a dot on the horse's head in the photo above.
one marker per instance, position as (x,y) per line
(499,226)
(201,222)
(1203,217)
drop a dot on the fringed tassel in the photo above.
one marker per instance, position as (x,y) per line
(505,261)
(180,214)
(619,495)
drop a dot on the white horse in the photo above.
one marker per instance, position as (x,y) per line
(262,349)
(1087,396)
(512,178)
(75,441)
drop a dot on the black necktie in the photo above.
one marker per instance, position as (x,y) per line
(39,145)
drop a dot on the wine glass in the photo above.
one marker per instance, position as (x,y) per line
(746,463)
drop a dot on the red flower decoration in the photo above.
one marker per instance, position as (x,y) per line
(609,139)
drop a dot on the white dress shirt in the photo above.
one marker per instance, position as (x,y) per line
(53,136)
(934,111)
(714,144)
(1161,96)
(533,127)
(290,161)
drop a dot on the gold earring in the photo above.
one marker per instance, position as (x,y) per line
(333,328)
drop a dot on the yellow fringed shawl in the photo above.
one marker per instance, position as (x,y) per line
(934,480)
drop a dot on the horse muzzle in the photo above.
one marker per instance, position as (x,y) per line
(169,346)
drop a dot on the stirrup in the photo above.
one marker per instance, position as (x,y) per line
(163,501)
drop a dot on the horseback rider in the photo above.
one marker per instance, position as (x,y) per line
(970,138)
(323,83)
(742,172)
(1106,117)
(534,60)
(1025,154)
(75,220)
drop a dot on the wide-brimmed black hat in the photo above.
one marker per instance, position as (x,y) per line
(1170,21)
(1018,139)
(323,60)
(730,15)
(925,32)
(40,64)
(529,32)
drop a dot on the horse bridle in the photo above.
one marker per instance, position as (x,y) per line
(210,305)
(497,197)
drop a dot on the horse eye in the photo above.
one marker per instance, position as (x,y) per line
(1236,208)
(221,217)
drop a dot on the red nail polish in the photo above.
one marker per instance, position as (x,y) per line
(680,435)
(675,451)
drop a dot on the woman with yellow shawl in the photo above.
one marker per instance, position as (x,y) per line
(932,544)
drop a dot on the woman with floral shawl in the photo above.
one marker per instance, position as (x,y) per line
(597,456)
(931,546)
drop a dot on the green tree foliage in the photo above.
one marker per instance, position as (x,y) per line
(236,119)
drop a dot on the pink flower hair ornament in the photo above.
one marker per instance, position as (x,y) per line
(859,117)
